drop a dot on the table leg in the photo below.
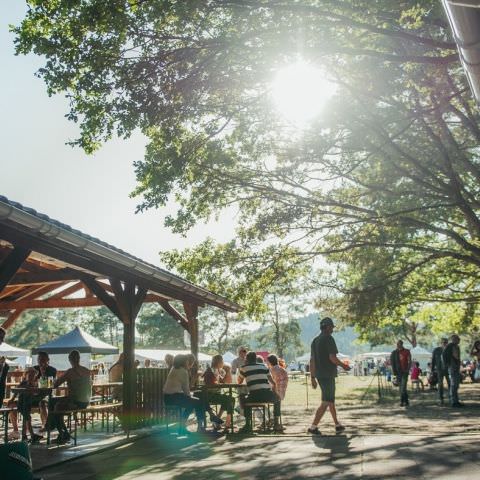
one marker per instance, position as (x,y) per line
(5,424)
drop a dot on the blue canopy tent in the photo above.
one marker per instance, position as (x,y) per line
(79,340)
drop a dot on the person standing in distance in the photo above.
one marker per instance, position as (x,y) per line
(451,359)
(323,371)
(440,369)
(401,361)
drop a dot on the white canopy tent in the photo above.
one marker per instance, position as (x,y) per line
(421,355)
(374,355)
(229,357)
(155,355)
(306,357)
(159,355)
(7,350)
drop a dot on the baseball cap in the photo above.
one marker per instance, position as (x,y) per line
(326,322)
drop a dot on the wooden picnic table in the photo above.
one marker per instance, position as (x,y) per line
(106,388)
(220,386)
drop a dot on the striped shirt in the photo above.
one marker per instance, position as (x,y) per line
(256,376)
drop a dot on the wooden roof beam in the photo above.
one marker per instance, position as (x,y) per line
(11,264)
(64,303)
(45,277)
(12,318)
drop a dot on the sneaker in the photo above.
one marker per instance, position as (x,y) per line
(457,405)
(217,426)
(339,428)
(314,431)
(63,438)
(245,429)
(216,419)
(35,438)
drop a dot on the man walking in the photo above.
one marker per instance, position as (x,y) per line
(451,359)
(323,371)
(440,370)
(401,361)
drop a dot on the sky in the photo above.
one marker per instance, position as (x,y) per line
(88,192)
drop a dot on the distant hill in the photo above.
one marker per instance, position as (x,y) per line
(346,338)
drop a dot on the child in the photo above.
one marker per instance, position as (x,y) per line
(415,375)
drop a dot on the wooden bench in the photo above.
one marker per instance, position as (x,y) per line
(174,414)
(71,414)
(265,408)
(106,409)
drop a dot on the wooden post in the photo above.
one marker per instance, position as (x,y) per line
(191,312)
(125,304)
(129,378)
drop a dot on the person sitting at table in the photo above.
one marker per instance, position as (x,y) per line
(42,370)
(279,375)
(228,378)
(214,375)
(259,385)
(79,384)
(168,359)
(23,404)
(115,374)
(240,360)
(176,391)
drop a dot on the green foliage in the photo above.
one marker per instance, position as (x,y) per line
(37,327)
(282,340)
(101,323)
(385,183)
(157,329)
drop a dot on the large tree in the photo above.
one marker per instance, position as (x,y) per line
(385,182)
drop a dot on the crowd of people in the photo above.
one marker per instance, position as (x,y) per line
(446,369)
(79,392)
(257,381)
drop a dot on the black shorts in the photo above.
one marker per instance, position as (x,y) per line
(327,386)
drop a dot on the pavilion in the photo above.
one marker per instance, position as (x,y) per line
(47,264)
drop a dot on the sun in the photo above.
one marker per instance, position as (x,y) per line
(300,92)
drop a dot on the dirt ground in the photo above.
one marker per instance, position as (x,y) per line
(362,412)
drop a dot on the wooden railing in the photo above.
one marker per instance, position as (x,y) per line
(149,395)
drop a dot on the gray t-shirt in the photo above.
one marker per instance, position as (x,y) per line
(322,346)
(237,363)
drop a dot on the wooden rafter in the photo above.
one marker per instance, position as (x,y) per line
(10,265)
(173,312)
(52,276)
(66,303)
(67,291)
(12,318)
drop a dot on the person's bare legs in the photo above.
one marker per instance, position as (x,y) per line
(333,412)
(320,412)
(13,417)
(43,413)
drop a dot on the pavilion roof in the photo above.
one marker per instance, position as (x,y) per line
(60,262)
